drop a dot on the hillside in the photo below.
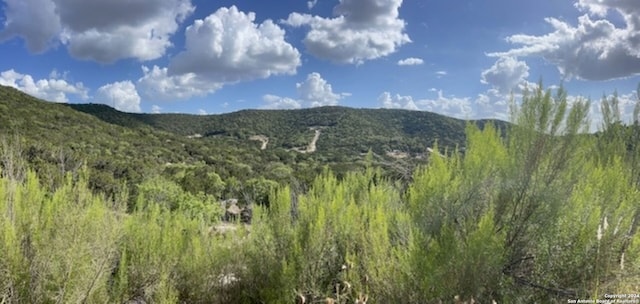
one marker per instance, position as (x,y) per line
(345,131)
(260,146)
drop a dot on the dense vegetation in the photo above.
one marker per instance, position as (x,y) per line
(543,214)
(120,149)
(346,131)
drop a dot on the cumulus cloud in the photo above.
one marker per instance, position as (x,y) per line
(103,31)
(397,101)
(157,85)
(489,104)
(628,9)
(411,61)
(506,74)
(52,89)
(277,102)
(446,105)
(317,92)
(626,105)
(228,46)
(224,48)
(492,104)
(122,95)
(19,21)
(361,30)
(156,109)
(313,92)
(496,105)
(594,49)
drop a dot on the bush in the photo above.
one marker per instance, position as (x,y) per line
(542,215)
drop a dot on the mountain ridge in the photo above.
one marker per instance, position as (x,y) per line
(119,146)
(242,124)
(346,130)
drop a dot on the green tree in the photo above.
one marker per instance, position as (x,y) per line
(167,195)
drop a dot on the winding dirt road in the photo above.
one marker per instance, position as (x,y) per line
(261,138)
(312,145)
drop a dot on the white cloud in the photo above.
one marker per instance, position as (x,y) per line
(311,4)
(19,21)
(57,75)
(492,104)
(317,92)
(445,105)
(106,31)
(277,102)
(228,46)
(626,104)
(397,101)
(120,95)
(156,85)
(52,89)
(362,30)
(594,49)
(448,105)
(225,48)
(628,9)
(411,61)
(506,74)
(313,92)
(156,109)
(441,74)
(103,31)
(202,112)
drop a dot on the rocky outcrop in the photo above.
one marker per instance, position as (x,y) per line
(261,138)
(233,212)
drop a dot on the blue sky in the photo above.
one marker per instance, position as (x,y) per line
(458,58)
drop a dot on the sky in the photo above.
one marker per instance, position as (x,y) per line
(461,58)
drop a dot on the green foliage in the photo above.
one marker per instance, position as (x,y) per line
(545,210)
(59,245)
(70,245)
(257,190)
(453,214)
(121,149)
(168,196)
(535,213)
(202,179)
(340,239)
(592,234)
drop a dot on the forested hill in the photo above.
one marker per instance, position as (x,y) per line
(271,145)
(343,131)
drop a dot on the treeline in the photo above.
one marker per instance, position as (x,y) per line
(346,132)
(545,214)
(121,149)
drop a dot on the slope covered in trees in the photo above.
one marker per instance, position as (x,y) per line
(346,132)
(543,215)
(120,149)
